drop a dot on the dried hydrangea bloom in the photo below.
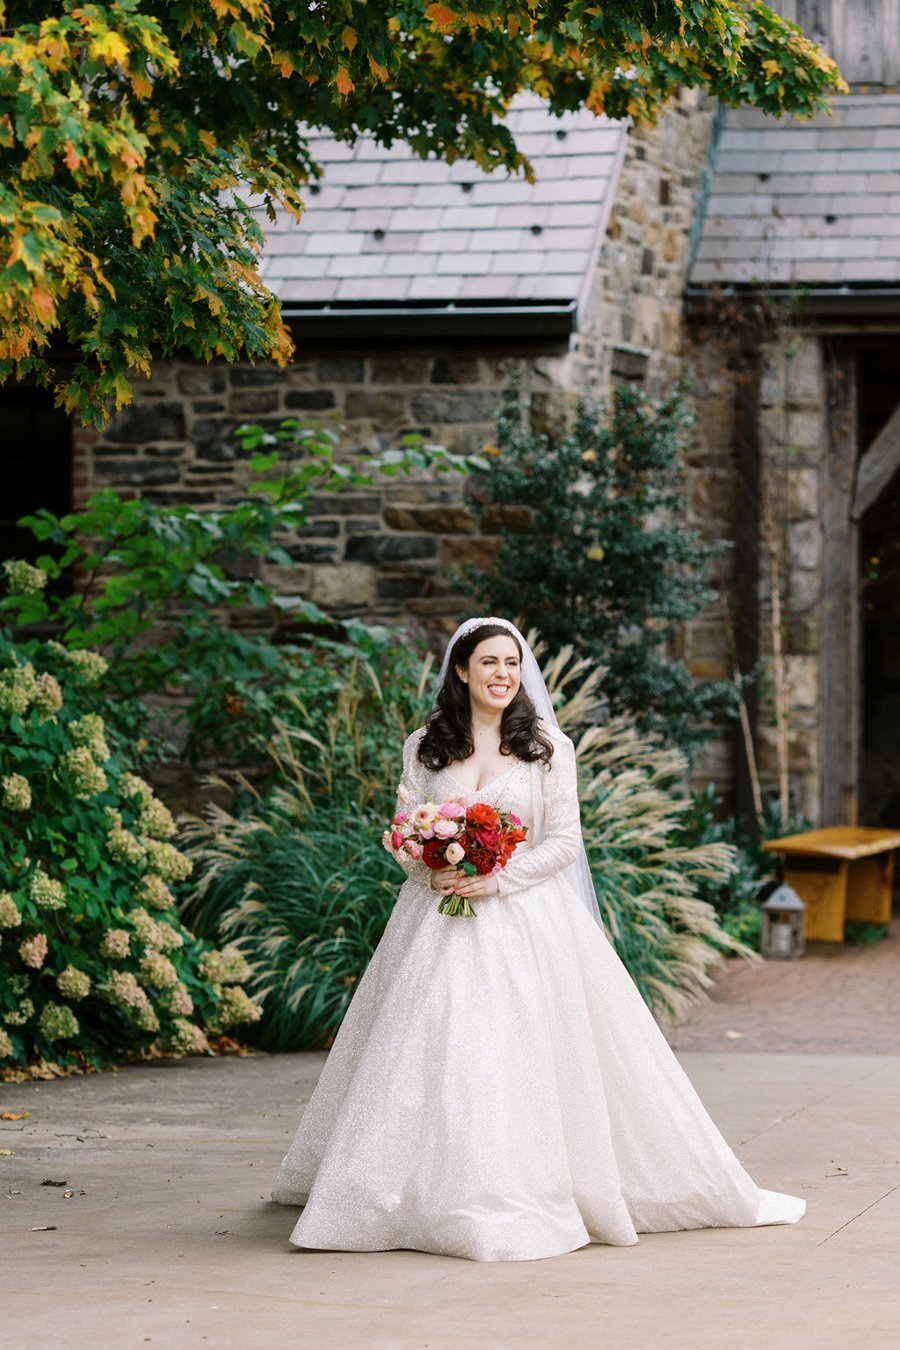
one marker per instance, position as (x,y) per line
(186,1039)
(146,927)
(152,890)
(168,939)
(157,971)
(227,966)
(235,1007)
(74,983)
(22,578)
(156,820)
(9,912)
(20,1015)
(48,696)
(57,1022)
(84,773)
(90,731)
(90,665)
(123,846)
(130,785)
(178,1000)
(46,891)
(167,861)
(18,688)
(33,951)
(116,943)
(6,1045)
(16,792)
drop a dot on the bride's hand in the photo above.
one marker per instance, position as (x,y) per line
(449,880)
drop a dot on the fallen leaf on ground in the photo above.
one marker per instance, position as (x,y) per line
(7,1152)
(48,1182)
(839,1172)
(734,1035)
(14,1115)
(44,1228)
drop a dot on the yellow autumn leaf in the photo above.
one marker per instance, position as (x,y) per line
(109,48)
(772,69)
(596,554)
(343,81)
(349,38)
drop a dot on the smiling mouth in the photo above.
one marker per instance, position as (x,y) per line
(498,689)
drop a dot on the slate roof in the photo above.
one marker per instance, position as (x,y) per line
(389,227)
(813,202)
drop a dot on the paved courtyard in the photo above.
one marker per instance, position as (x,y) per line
(157,1229)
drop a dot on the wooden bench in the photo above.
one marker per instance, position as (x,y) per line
(844,872)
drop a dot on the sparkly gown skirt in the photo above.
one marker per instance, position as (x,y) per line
(499,1090)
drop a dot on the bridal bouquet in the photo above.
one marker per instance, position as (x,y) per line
(478,840)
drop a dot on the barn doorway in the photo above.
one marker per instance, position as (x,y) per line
(35,465)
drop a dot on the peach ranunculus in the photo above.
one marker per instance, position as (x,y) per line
(446,829)
(425,815)
(455,853)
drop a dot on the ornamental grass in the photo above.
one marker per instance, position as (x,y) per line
(298,882)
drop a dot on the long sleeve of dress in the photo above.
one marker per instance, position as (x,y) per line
(410,795)
(561,836)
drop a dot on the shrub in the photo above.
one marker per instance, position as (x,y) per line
(605,562)
(95,963)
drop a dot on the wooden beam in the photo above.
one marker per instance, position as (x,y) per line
(841,660)
(877,466)
(746,568)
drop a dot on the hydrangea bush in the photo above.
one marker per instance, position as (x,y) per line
(95,963)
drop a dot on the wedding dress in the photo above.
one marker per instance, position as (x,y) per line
(498,1089)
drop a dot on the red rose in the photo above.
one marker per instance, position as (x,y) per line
(482,814)
(433,854)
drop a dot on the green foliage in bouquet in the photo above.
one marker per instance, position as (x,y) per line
(606,563)
(95,963)
(179,599)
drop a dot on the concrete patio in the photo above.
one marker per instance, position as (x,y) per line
(168,1237)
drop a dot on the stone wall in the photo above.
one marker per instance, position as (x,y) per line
(792,412)
(634,326)
(387,552)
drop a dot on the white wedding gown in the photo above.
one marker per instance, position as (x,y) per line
(498,1089)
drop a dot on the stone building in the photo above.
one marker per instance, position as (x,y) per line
(766,253)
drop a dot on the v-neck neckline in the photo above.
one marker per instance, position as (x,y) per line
(489,784)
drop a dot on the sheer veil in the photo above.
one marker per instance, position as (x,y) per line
(578,873)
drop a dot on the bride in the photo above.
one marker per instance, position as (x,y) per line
(498,1089)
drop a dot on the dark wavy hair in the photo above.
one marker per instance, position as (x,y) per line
(448,731)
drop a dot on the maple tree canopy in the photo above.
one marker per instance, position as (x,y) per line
(132,135)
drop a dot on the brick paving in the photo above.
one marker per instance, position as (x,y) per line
(837,999)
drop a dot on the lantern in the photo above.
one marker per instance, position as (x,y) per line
(782,934)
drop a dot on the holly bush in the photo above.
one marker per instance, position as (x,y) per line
(95,963)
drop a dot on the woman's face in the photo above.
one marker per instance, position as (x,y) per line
(493,674)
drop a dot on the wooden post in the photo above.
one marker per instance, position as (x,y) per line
(746,570)
(841,663)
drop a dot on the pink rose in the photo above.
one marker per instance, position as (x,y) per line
(400,817)
(514,820)
(396,839)
(452,810)
(413,848)
(445,829)
(455,853)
